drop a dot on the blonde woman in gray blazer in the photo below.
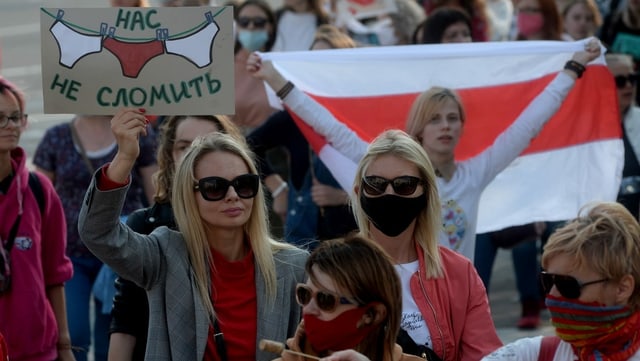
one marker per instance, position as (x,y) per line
(220,211)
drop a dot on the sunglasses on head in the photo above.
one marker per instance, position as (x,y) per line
(258,22)
(403,186)
(621,80)
(215,188)
(568,286)
(326,301)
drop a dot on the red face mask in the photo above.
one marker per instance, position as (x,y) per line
(530,23)
(338,334)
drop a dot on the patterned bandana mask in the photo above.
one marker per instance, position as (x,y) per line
(595,331)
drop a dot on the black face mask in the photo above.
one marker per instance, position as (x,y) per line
(392,214)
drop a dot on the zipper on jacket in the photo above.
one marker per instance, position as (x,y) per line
(424,292)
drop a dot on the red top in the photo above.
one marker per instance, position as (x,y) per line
(105,183)
(235,303)
(4,353)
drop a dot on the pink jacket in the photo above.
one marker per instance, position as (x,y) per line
(456,309)
(27,320)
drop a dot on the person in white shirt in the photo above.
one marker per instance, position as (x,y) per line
(591,277)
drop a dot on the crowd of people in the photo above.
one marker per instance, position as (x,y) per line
(197,236)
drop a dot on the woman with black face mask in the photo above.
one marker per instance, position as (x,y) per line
(443,300)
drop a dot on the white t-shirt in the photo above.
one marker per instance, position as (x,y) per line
(528,349)
(412,320)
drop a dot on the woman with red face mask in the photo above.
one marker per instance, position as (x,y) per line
(538,20)
(351,300)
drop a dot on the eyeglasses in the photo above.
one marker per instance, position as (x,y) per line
(326,301)
(215,188)
(621,80)
(17,119)
(403,186)
(568,286)
(258,22)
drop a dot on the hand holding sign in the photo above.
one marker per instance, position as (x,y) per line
(127,126)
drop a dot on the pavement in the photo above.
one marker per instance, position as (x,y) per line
(505,305)
(19,35)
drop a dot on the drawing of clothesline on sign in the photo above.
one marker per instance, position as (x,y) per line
(133,53)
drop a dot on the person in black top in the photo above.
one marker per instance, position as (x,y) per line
(626,79)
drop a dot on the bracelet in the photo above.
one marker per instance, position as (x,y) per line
(285,90)
(575,67)
(63,346)
(276,192)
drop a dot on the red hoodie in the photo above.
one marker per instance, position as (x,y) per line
(27,320)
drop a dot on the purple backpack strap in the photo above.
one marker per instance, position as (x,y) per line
(548,348)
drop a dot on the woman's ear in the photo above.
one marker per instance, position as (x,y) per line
(376,313)
(380,313)
(356,190)
(625,289)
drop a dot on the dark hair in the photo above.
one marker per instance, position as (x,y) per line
(271,17)
(8,87)
(418,33)
(439,20)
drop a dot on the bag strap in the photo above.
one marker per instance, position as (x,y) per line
(12,234)
(78,143)
(548,347)
(36,188)
(218,337)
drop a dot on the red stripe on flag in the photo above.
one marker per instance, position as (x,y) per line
(589,113)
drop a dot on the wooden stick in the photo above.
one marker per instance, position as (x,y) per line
(278,348)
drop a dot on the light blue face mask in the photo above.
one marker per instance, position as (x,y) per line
(252,40)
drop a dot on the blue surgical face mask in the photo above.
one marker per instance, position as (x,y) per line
(252,40)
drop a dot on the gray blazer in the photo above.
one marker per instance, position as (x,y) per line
(159,262)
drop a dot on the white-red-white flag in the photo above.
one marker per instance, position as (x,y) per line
(577,158)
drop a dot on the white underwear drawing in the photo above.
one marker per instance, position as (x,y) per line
(73,45)
(192,46)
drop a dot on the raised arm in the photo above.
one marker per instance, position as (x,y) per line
(127,125)
(131,255)
(518,136)
(343,139)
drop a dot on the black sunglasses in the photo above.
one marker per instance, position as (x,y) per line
(403,186)
(568,286)
(621,80)
(215,188)
(326,301)
(258,22)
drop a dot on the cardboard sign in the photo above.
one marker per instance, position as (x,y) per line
(171,60)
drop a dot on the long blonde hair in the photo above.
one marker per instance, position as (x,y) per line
(428,223)
(163,178)
(191,225)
